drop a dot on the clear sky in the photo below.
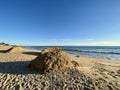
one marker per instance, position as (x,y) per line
(60,22)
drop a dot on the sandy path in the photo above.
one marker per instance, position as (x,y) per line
(93,74)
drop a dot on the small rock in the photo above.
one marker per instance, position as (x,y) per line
(77,56)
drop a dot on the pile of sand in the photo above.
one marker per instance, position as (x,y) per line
(15,49)
(50,60)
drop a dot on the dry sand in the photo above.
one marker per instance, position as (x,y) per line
(92,74)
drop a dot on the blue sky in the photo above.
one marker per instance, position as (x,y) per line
(60,22)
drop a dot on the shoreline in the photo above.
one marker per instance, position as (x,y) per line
(109,53)
(91,74)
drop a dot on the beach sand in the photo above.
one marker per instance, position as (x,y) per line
(92,74)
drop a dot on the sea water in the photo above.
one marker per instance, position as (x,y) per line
(103,52)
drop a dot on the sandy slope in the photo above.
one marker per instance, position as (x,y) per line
(93,74)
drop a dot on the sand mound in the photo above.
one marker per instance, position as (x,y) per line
(50,60)
(15,49)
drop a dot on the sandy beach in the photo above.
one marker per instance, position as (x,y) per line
(92,74)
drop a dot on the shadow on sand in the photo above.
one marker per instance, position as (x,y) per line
(31,53)
(19,67)
(3,51)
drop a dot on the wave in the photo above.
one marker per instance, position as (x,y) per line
(85,51)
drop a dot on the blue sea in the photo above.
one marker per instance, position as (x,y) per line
(102,52)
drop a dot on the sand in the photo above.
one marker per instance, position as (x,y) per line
(92,74)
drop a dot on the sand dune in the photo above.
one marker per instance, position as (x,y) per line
(92,74)
(15,49)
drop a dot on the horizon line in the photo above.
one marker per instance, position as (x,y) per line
(70,45)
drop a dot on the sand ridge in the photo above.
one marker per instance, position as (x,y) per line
(92,74)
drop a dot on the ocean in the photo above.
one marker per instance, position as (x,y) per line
(102,52)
